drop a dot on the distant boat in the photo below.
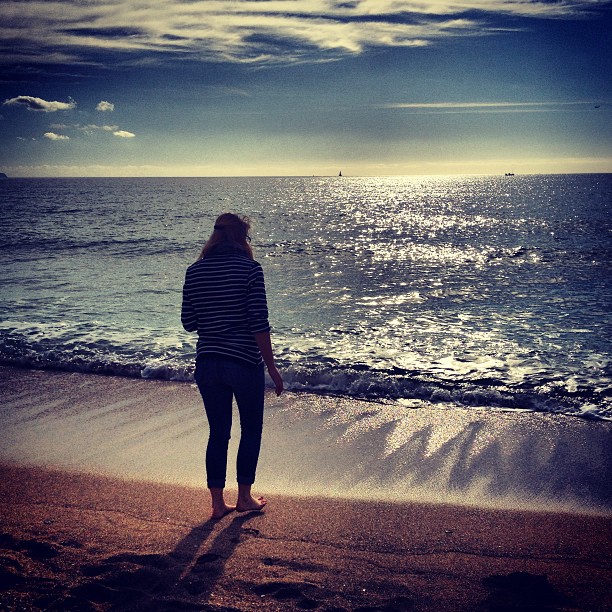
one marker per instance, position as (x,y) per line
(340,173)
(509,174)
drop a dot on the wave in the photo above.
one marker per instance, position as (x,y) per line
(32,245)
(322,375)
(396,384)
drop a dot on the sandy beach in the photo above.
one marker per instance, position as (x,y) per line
(82,542)
(99,538)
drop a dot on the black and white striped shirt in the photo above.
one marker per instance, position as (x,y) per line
(224,300)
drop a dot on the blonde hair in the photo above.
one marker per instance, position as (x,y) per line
(232,230)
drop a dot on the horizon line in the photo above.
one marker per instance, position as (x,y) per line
(268,176)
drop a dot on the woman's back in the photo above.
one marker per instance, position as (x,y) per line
(224,300)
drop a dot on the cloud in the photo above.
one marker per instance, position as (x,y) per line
(482,107)
(40,105)
(104,106)
(251,31)
(91,127)
(54,136)
(475,104)
(88,129)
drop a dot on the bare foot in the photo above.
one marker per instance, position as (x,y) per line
(251,504)
(221,511)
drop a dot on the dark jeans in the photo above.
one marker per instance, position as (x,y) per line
(219,380)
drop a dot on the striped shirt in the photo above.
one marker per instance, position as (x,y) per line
(224,300)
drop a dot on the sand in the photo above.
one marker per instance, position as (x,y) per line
(79,533)
(82,542)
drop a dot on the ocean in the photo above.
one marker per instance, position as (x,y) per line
(488,292)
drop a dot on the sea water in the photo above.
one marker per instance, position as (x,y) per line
(481,291)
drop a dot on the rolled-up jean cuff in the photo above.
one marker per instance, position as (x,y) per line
(243,480)
(216,484)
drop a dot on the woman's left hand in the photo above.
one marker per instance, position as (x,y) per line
(276,379)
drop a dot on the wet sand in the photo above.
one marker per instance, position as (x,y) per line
(313,445)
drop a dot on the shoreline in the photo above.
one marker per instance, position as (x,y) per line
(313,446)
(87,542)
(335,389)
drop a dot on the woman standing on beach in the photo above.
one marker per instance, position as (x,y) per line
(224,300)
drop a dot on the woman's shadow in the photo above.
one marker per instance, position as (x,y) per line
(184,578)
(200,573)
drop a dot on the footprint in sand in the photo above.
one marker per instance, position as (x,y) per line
(38,551)
(397,604)
(522,590)
(298,566)
(283,591)
(203,562)
(9,577)
(151,560)
(250,531)
(12,570)
(118,584)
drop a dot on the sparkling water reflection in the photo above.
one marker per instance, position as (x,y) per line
(489,291)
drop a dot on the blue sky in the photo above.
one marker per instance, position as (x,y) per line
(304,87)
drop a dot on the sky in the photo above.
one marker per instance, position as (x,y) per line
(304,87)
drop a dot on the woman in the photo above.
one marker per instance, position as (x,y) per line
(224,300)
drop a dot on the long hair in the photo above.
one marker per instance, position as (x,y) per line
(232,230)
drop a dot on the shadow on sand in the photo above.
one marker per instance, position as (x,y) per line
(457,457)
(163,582)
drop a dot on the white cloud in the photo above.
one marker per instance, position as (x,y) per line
(104,106)
(92,127)
(482,107)
(253,31)
(54,136)
(32,103)
(124,134)
(476,104)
